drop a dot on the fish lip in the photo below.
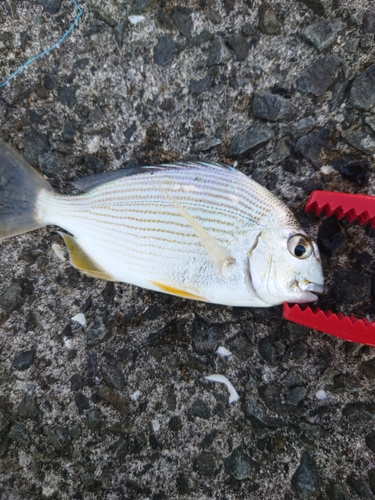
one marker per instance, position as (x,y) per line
(307,286)
(306,297)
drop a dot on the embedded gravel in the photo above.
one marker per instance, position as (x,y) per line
(120,408)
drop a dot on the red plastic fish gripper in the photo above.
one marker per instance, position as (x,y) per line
(348,328)
(353,207)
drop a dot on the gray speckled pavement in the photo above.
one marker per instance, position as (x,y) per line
(287,90)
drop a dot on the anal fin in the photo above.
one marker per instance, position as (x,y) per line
(180,293)
(82,261)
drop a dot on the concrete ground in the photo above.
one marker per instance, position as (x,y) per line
(287,91)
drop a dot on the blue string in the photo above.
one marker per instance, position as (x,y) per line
(47,51)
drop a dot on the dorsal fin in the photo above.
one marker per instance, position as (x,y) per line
(93,181)
(82,261)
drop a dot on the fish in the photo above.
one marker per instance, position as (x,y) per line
(198,230)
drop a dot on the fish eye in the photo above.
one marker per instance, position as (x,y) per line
(299,246)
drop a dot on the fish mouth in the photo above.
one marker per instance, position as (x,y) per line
(308,286)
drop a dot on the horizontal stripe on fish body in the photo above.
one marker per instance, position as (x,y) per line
(218,182)
(138,197)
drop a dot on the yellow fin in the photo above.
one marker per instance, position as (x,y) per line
(218,255)
(179,293)
(82,261)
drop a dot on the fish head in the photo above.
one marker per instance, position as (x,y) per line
(284,266)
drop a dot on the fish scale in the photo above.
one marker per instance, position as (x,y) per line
(197,230)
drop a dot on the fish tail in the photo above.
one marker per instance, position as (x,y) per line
(20,186)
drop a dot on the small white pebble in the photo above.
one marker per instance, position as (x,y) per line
(135,395)
(222,351)
(68,343)
(93,145)
(321,394)
(59,252)
(235,164)
(79,318)
(327,169)
(233,394)
(155,424)
(136,19)
(48,491)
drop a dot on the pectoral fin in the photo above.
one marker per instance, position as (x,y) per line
(82,261)
(218,255)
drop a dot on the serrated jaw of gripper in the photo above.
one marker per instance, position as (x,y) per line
(352,206)
(348,328)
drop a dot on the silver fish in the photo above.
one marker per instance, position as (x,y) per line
(202,231)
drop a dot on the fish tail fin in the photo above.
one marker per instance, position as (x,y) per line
(20,185)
